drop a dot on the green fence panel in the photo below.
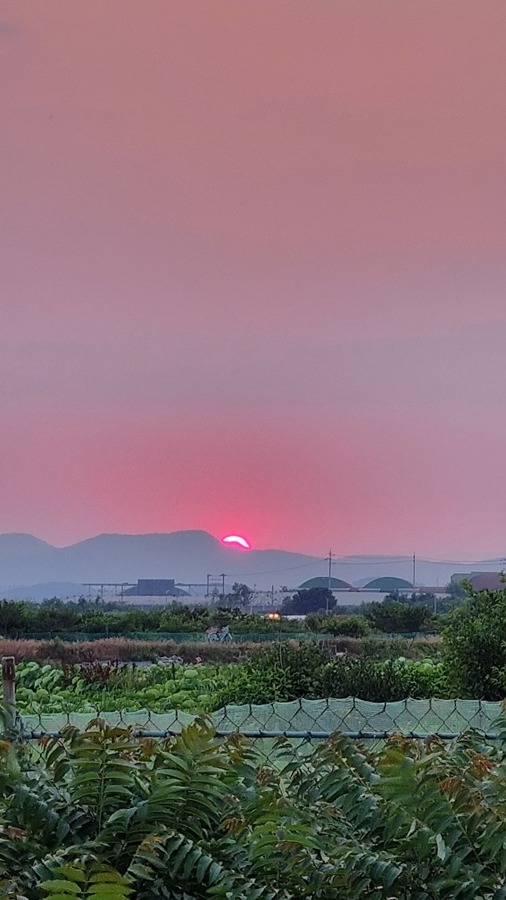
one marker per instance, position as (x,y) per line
(313,719)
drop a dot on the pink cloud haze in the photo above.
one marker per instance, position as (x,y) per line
(253,271)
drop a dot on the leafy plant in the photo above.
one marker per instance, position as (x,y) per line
(101,814)
(384,681)
(282,672)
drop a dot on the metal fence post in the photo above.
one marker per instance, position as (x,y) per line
(9,690)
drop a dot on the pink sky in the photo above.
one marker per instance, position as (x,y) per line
(253,271)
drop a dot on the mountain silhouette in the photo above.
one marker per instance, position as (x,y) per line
(189,556)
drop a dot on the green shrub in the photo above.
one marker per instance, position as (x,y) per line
(383,681)
(394,616)
(391,648)
(383,648)
(475,646)
(350,626)
(284,672)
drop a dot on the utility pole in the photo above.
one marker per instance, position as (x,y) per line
(223,584)
(414,570)
(207,585)
(329,560)
(9,690)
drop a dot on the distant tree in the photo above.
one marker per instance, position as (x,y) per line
(475,646)
(457,589)
(426,598)
(308,601)
(240,596)
(14,617)
(392,616)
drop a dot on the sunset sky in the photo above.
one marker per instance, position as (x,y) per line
(253,271)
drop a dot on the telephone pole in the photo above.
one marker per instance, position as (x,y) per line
(414,570)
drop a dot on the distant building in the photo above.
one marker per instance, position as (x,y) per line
(487,581)
(336,584)
(155,587)
(482,581)
(457,577)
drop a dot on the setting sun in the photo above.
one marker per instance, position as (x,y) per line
(237,541)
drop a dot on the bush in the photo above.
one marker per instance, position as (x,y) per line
(351,626)
(284,672)
(475,646)
(395,617)
(385,681)
(289,672)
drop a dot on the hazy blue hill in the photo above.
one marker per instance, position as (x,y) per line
(46,590)
(188,556)
(23,555)
(18,543)
(183,555)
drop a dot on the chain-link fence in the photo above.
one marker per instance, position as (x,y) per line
(177,637)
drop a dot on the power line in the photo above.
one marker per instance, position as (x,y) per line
(285,569)
(358,563)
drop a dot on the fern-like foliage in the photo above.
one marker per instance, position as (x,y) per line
(102,814)
(78,882)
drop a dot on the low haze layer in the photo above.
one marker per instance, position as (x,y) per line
(253,272)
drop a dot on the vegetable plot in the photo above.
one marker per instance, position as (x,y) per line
(109,687)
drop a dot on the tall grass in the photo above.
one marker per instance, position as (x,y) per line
(124,650)
(127,650)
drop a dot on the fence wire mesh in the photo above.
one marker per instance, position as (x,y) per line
(176,637)
(298,720)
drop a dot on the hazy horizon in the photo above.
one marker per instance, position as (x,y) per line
(293,550)
(253,272)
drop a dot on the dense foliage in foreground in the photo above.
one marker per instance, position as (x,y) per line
(100,814)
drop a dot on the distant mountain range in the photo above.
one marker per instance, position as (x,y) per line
(188,557)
